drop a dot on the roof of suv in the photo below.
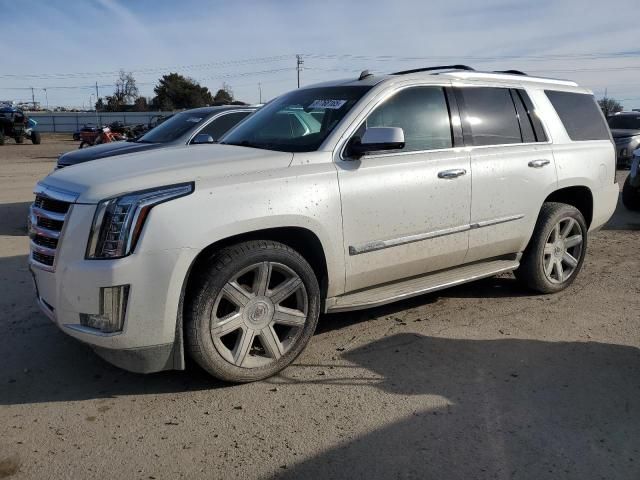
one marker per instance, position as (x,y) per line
(453,74)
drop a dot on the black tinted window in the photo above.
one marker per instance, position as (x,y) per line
(526,128)
(538,130)
(580,115)
(625,122)
(223,124)
(490,116)
(422,114)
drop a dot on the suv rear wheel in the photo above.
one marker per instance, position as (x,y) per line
(556,250)
(254,307)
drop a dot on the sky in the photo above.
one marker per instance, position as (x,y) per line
(66,46)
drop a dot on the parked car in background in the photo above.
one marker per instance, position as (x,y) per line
(631,188)
(199,125)
(625,129)
(395,186)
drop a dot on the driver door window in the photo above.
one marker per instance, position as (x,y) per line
(423,115)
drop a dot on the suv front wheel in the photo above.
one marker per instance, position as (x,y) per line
(253,308)
(556,251)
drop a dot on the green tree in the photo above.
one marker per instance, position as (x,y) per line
(175,91)
(609,106)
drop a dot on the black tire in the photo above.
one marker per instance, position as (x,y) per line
(631,195)
(82,144)
(532,272)
(204,298)
(36,138)
(1,137)
(19,139)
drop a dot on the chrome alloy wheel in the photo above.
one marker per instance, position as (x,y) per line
(259,314)
(562,250)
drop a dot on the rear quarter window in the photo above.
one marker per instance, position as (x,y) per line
(580,115)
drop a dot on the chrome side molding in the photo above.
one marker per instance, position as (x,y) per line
(418,237)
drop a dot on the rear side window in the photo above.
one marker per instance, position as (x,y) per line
(423,115)
(490,115)
(580,115)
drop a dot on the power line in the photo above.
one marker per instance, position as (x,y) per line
(558,56)
(150,70)
(111,85)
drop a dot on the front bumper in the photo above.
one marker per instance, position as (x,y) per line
(148,341)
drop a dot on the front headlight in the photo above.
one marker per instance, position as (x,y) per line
(118,222)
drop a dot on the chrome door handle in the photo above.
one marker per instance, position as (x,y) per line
(539,163)
(453,173)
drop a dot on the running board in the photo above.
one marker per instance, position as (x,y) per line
(393,292)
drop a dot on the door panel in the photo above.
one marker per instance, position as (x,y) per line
(513,168)
(400,198)
(507,191)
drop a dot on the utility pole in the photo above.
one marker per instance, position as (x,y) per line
(260,92)
(46,96)
(97,96)
(299,63)
(33,99)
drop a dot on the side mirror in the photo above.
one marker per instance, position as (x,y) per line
(376,139)
(202,138)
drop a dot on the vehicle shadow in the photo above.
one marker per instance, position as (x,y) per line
(42,364)
(13,218)
(623,219)
(492,409)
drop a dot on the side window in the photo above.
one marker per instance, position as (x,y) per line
(490,115)
(423,115)
(526,128)
(223,124)
(538,129)
(580,115)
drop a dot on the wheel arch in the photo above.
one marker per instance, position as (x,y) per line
(578,196)
(301,239)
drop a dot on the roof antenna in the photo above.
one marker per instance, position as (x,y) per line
(364,74)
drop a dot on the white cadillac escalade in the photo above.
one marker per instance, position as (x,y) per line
(335,197)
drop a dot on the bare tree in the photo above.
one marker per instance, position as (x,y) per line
(126,91)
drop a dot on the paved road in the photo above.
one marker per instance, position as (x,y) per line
(481,381)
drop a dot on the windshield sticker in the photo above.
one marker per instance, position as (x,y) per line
(328,104)
(194,119)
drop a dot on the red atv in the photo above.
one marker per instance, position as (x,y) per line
(97,135)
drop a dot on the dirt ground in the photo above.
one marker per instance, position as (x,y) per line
(483,381)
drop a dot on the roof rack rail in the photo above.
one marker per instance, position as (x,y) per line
(511,72)
(439,67)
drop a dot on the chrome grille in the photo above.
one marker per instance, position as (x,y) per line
(46,220)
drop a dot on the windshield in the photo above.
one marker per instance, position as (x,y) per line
(625,122)
(298,121)
(174,128)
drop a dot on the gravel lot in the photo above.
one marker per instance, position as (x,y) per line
(481,381)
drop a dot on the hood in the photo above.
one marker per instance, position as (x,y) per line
(104,150)
(624,132)
(95,181)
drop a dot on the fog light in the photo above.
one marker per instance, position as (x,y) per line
(113,308)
